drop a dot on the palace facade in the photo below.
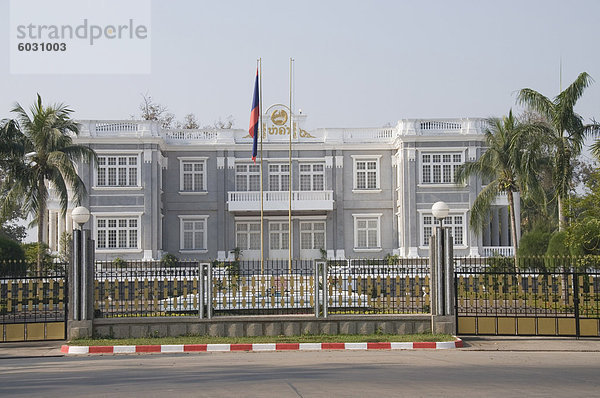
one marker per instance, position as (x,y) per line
(356,192)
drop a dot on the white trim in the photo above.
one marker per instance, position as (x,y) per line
(356,217)
(453,213)
(192,160)
(109,153)
(367,190)
(366,158)
(182,219)
(193,192)
(438,151)
(128,188)
(117,215)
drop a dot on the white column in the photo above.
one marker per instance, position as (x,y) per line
(52,230)
(517,199)
(69,226)
(61,230)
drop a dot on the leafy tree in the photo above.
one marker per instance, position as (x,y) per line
(151,110)
(566,135)
(46,159)
(509,164)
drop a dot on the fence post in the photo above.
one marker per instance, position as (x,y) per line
(81,286)
(209,291)
(200,290)
(441,258)
(316,287)
(325,289)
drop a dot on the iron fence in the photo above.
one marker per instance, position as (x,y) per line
(541,294)
(32,307)
(386,286)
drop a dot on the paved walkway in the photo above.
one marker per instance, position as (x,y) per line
(471,343)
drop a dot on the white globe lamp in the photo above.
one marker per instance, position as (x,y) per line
(80,215)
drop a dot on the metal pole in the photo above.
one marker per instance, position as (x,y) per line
(316,288)
(261,132)
(76,265)
(439,270)
(449,271)
(325,290)
(200,290)
(290,177)
(84,272)
(209,291)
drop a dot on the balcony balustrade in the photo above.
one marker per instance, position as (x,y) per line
(279,200)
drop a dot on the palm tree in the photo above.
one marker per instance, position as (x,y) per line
(47,157)
(567,134)
(508,165)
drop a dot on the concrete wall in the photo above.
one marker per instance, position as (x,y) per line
(261,326)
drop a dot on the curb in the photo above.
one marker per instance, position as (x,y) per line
(256,347)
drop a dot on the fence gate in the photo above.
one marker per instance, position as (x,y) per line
(527,302)
(33,308)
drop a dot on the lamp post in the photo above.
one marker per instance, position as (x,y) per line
(80,216)
(441,259)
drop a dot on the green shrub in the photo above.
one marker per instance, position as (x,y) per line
(12,258)
(119,263)
(31,253)
(534,243)
(583,237)
(169,260)
(557,245)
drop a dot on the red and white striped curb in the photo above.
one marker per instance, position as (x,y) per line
(131,349)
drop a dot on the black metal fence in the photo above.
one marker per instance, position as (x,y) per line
(32,307)
(536,295)
(273,287)
(387,286)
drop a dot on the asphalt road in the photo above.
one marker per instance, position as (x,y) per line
(307,374)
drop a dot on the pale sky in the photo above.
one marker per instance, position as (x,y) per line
(357,63)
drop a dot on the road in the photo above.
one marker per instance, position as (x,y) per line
(448,373)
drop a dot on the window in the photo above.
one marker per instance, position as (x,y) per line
(366,173)
(247,177)
(453,222)
(279,177)
(279,235)
(117,171)
(247,235)
(193,175)
(366,232)
(439,168)
(312,235)
(116,233)
(312,177)
(193,233)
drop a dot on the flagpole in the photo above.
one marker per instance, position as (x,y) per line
(290,176)
(262,253)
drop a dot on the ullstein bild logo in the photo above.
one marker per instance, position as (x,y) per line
(80,37)
(85,31)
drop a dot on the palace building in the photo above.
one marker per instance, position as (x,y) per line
(356,192)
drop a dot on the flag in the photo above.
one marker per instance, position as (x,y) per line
(253,130)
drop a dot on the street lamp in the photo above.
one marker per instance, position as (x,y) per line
(440,210)
(441,257)
(80,215)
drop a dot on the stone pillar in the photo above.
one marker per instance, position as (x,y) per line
(441,260)
(61,230)
(81,286)
(52,230)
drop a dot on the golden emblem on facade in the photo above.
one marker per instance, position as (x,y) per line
(279,117)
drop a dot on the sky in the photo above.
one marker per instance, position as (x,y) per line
(357,63)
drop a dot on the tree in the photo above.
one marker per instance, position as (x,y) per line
(190,122)
(508,164)
(46,158)
(151,110)
(566,135)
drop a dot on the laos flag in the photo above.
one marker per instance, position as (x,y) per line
(253,130)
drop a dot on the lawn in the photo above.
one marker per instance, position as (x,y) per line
(321,338)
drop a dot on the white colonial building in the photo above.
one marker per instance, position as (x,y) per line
(356,192)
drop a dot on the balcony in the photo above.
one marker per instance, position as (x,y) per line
(492,251)
(279,201)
